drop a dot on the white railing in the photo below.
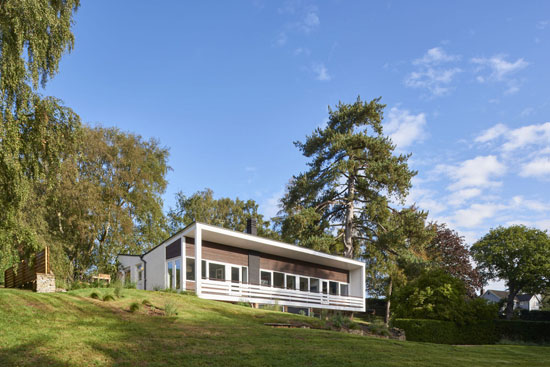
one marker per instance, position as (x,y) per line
(235,291)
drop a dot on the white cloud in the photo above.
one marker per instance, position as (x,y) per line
(437,81)
(461,196)
(476,214)
(434,56)
(533,205)
(539,167)
(499,67)
(310,21)
(527,135)
(492,133)
(321,72)
(542,24)
(477,172)
(405,128)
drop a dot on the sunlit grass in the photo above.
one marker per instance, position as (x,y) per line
(73,329)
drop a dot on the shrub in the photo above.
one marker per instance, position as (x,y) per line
(302,313)
(340,321)
(170,308)
(108,297)
(436,295)
(243,304)
(378,327)
(535,315)
(523,331)
(146,302)
(134,307)
(130,285)
(119,292)
(94,295)
(447,332)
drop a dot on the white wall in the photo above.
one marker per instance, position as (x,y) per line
(155,268)
(357,282)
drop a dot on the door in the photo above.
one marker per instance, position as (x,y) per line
(235,280)
(324,292)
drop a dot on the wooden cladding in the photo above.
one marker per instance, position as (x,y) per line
(25,274)
(233,255)
(286,265)
(173,249)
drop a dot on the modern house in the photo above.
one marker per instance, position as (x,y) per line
(243,267)
(529,302)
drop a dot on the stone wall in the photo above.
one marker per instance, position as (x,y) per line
(45,283)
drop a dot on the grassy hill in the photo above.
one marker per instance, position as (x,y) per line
(72,329)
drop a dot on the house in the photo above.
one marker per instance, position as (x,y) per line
(529,302)
(243,267)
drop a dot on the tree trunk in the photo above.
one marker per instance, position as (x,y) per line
(510,304)
(388,303)
(348,229)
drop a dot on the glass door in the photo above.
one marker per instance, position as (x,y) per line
(235,274)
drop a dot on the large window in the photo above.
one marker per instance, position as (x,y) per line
(278,280)
(216,271)
(178,273)
(333,288)
(304,284)
(190,268)
(235,272)
(170,275)
(344,290)
(314,285)
(290,282)
(244,277)
(265,278)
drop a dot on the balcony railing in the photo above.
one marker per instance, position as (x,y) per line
(235,291)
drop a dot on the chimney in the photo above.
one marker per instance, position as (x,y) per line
(251,226)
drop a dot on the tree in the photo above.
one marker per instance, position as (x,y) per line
(35,132)
(518,255)
(223,212)
(437,295)
(109,199)
(447,251)
(340,202)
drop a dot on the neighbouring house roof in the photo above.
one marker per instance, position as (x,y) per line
(504,294)
(525,297)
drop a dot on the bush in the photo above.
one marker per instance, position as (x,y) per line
(524,331)
(535,315)
(119,292)
(108,297)
(436,295)
(448,332)
(94,295)
(146,302)
(170,308)
(378,327)
(134,307)
(340,321)
(130,285)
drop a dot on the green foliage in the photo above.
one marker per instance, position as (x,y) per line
(170,308)
(447,332)
(94,295)
(119,289)
(272,307)
(543,315)
(339,321)
(518,255)
(130,285)
(479,332)
(35,132)
(352,178)
(378,327)
(108,297)
(134,307)
(437,295)
(223,212)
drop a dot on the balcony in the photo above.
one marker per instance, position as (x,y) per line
(224,290)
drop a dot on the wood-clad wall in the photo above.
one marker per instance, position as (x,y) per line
(25,274)
(234,255)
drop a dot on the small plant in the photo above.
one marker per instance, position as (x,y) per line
(134,307)
(244,304)
(108,297)
(156,288)
(130,285)
(170,308)
(118,289)
(302,313)
(324,314)
(94,295)
(146,302)
(378,327)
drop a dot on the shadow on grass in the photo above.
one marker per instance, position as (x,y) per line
(29,354)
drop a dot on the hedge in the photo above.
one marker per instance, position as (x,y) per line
(535,315)
(480,332)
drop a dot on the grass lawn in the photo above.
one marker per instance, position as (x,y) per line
(72,329)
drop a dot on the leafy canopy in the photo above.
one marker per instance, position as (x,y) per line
(340,202)
(517,254)
(223,212)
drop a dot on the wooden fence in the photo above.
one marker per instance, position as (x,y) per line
(25,275)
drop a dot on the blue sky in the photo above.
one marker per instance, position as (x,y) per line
(228,86)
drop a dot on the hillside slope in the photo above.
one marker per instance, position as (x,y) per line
(72,329)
